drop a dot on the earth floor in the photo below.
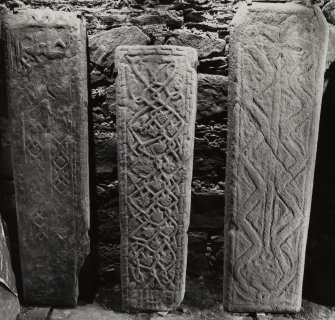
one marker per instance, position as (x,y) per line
(202,302)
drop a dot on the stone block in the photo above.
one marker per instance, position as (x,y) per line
(35,314)
(156,92)
(9,302)
(46,74)
(331,46)
(170,18)
(277,63)
(10,306)
(102,45)
(329,12)
(263,316)
(229,316)
(205,44)
(313,311)
(212,95)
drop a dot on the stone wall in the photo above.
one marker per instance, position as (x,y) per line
(202,24)
(199,24)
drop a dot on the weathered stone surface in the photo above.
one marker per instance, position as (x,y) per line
(106,14)
(112,18)
(331,46)
(7,277)
(156,32)
(209,164)
(195,16)
(212,95)
(47,100)
(277,61)
(34,314)
(170,18)
(88,312)
(329,12)
(313,311)
(10,306)
(156,91)
(9,302)
(102,45)
(189,311)
(204,44)
(96,312)
(228,316)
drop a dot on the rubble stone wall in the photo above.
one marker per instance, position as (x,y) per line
(201,24)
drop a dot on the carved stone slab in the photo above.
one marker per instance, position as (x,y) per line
(47,98)
(277,63)
(156,93)
(9,302)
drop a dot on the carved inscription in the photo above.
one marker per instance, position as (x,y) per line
(277,63)
(156,92)
(46,88)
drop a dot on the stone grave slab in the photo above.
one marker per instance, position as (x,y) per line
(156,96)
(46,77)
(277,63)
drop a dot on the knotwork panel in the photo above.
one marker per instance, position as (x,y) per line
(156,92)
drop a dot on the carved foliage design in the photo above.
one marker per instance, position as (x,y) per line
(156,92)
(273,132)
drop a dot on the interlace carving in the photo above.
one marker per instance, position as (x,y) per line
(156,114)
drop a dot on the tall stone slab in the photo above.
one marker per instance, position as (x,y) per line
(277,63)
(46,81)
(9,302)
(156,94)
